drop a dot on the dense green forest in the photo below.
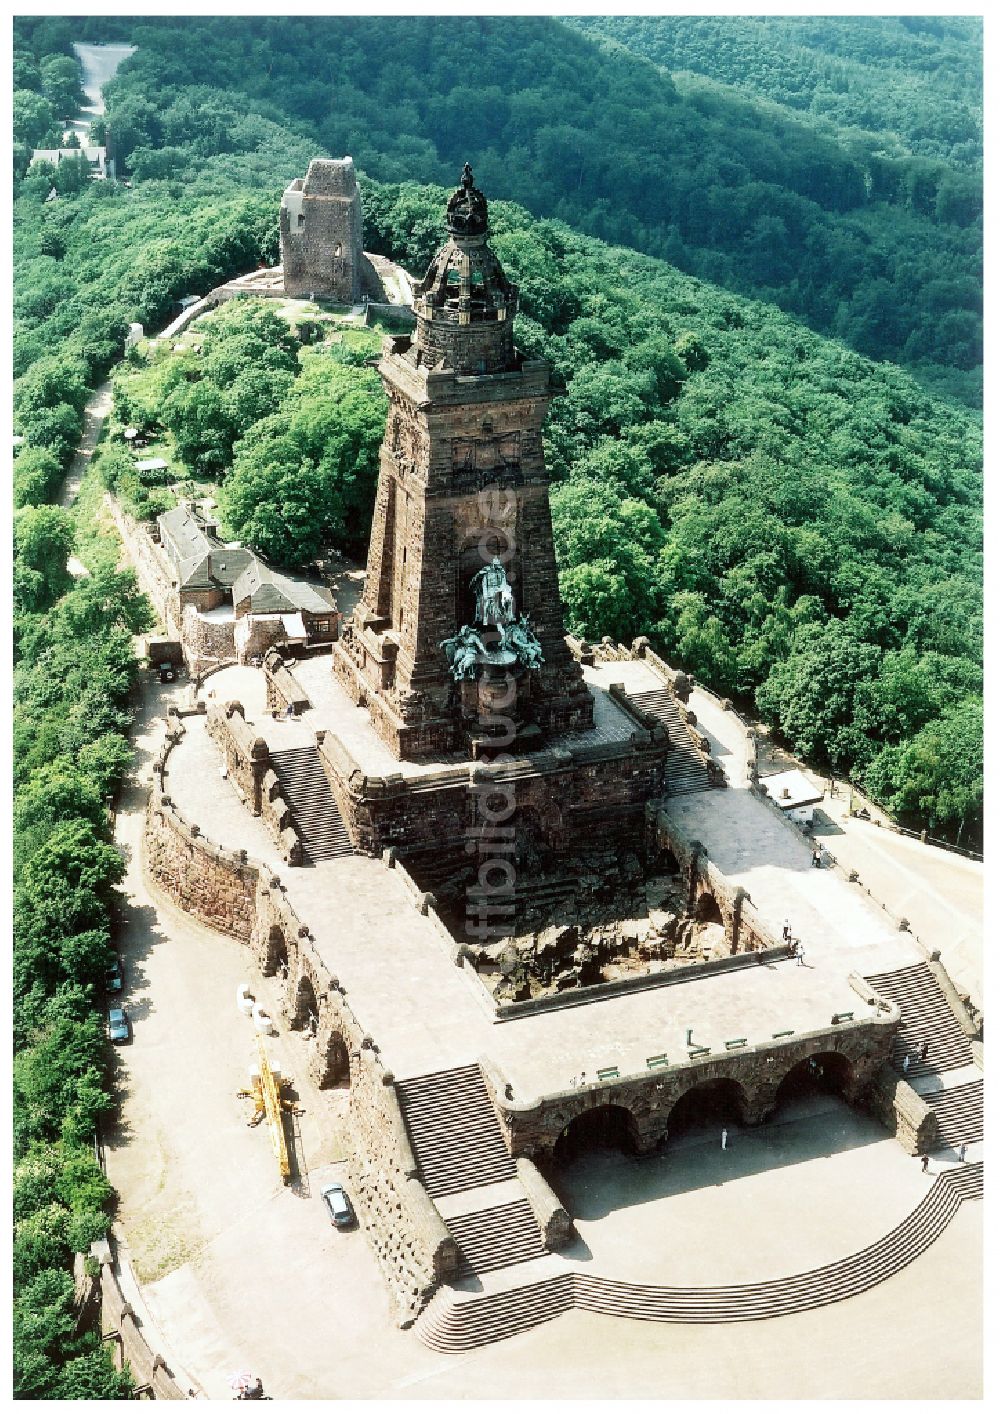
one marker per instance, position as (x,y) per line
(74,669)
(878,243)
(796,525)
(900,85)
(292,421)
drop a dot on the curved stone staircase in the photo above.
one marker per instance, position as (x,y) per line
(454,1321)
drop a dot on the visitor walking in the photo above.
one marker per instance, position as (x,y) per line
(961,1153)
(924,1162)
(906,1063)
(800,956)
(924,1049)
(786,933)
(725,1137)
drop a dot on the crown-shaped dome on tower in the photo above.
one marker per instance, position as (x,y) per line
(465,305)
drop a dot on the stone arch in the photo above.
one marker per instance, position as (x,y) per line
(707,910)
(305,1005)
(823,1073)
(334,1061)
(275,958)
(710,1102)
(668,861)
(601,1127)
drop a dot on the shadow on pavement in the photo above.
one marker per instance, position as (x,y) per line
(605,1180)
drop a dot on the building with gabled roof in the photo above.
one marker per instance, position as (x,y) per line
(263,590)
(228,597)
(205,569)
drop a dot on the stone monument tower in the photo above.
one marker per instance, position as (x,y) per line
(460,625)
(320,224)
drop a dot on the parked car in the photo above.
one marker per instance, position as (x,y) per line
(339,1206)
(114,979)
(118,1025)
(167,672)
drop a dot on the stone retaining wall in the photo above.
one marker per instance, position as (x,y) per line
(564,797)
(245,753)
(554,1222)
(151,1373)
(244,898)
(904,1112)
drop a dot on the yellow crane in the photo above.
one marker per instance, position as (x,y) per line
(269,1105)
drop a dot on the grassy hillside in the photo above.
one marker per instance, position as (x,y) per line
(879,246)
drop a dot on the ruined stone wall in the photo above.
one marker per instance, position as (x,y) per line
(255,636)
(745,929)
(414,1255)
(320,228)
(150,564)
(207,642)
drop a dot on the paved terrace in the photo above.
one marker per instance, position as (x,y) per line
(427,1014)
(941,893)
(333,711)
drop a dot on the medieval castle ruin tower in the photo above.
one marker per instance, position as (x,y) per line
(461,611)
(321,228)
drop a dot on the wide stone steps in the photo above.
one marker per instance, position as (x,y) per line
(497,1237)
(959,1113)
(454,1131)
(451,1323)
(927,1020)
(318,822)
(685,771)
